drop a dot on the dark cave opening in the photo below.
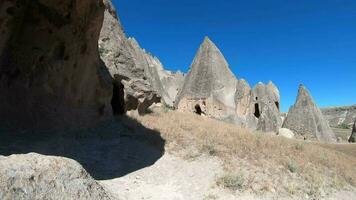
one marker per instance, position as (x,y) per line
(277,104)
(198,109)
(117,101)
(257,111)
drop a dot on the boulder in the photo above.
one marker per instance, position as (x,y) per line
(209,85)
(284,132)
(352,138)
(51,75)
(33,176)
(305,118)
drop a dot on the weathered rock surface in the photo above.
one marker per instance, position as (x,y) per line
(264,106)
(123,56)
(209,85)
(50,71)
(284,132)
(211,89)
(340,116)
(353,134)
(306,119)
(33,176)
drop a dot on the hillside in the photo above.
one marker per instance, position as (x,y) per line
(226,162)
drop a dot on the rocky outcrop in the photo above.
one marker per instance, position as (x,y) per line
(211,89)
(50,71)
(209,86)
(305,118)
(264,107)
(340,116)
(352,138)
(124,57)
(34,176)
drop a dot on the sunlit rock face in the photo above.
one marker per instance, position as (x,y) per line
(50,71)
(209,85)
(305,118)
(264,108)
(211,89)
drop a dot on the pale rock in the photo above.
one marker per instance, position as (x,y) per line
(305,118)
(209,85)
(284,132)
(34,176)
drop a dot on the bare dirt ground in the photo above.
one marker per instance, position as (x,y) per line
(174,178)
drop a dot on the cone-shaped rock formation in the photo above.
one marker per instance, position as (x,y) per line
(209,85)
(306,119)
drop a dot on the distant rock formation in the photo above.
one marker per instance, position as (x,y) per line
(306,119)
(353,134)
(340,116)
(50,71)
(209,86)
(33,176)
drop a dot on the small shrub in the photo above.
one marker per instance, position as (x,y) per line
(292,166)
(209,149)
(299,146)
(232,181)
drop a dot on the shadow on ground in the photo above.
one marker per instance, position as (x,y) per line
(110,150)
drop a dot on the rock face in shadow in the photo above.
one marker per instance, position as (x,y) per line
(33,176)
(50,71)
(353,134)
(209,85)
(124,57)
(305,118)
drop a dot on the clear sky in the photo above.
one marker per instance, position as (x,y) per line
(287,41)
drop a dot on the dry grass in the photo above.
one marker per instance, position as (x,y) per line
(297,165)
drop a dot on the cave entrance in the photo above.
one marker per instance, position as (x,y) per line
(118,101)
(198,109)
(277,104)
(257,111)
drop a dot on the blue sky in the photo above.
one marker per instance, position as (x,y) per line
(287,41)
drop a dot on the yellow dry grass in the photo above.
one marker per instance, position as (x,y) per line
(318,167)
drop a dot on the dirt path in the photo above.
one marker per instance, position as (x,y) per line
(173,178)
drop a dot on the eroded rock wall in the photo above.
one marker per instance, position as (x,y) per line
(50,71)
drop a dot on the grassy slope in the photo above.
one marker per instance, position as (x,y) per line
(255,161)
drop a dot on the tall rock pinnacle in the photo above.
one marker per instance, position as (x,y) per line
(305,118)
(209,83)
